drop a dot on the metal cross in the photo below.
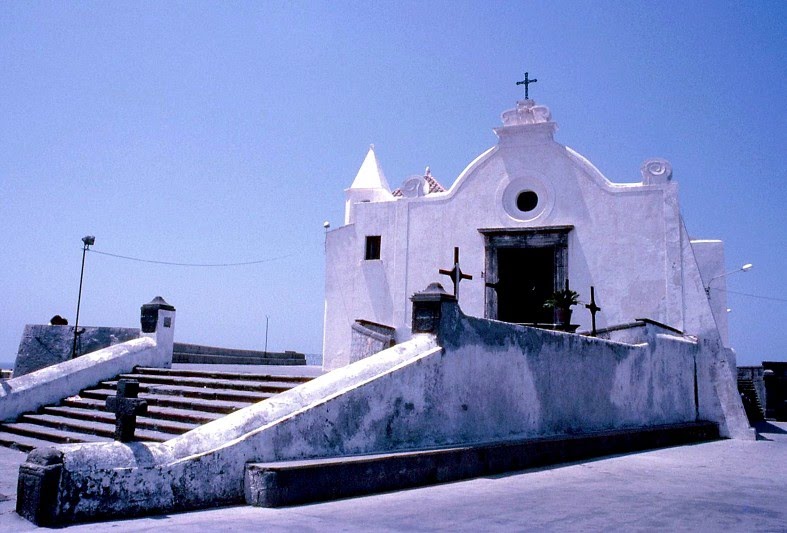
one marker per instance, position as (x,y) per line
(526,82)
(126,407)
(593,308)
(456,273)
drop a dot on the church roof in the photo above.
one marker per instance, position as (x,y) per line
(370,175)
(432,184)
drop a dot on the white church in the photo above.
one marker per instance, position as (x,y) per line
(527,215)
(478,377)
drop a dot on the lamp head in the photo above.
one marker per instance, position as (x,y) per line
(89,240)
(746,267)
(326,224)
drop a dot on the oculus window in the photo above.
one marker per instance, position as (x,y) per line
(372,247)
(526,201)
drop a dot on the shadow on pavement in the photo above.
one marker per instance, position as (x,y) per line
(767,427)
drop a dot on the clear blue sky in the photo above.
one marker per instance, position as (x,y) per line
(220,132)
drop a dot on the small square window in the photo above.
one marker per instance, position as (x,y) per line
(372,247)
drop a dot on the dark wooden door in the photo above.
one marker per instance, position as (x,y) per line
(526,278)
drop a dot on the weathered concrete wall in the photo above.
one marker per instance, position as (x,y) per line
(195,353)
(486,381)
(53,383)
(710,262)
(43,345)
(636,332)
(369,338)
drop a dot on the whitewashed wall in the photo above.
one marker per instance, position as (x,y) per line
(476,381)
(628,240)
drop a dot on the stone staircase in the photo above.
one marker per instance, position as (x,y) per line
(755,411)
(178,401)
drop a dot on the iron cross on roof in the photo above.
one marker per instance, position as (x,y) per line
(526,82)
(456,273)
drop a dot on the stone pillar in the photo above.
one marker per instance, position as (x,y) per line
(428,308)
(158,321)
(38,486)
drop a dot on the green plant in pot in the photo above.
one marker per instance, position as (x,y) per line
(561,301)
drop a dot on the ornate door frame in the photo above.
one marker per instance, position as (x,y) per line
(542,237)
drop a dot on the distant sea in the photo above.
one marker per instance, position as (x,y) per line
(9,365)
(314,359)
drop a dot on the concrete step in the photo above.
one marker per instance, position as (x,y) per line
(178,401)
(296,482)
(51,435)
(222,375)
(143,422)
(204,384)
(209,394)
(22,443)
(751,401)
(161,413)
(88,428)
(210,406)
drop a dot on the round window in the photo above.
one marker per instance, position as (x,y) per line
(526,201)
(526,198)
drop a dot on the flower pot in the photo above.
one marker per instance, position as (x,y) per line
(563,316)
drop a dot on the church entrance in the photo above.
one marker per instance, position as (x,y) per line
(523,268)
(525,279)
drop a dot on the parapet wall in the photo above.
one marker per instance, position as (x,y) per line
(473,381)
(42,346)
(368,338)
(195,353)
(51,384)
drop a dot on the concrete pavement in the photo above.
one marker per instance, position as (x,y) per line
(719,486)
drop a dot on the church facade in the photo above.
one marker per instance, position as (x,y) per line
(525,218)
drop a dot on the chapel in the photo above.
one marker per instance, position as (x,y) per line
(527,217)
(476,365)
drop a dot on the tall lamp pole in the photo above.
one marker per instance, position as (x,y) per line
(266,334)
(87,241)
(744,268)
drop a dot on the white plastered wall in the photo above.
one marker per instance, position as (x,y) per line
(627,240)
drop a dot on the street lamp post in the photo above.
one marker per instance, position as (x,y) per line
(266,335)
(744,268)
(88,241)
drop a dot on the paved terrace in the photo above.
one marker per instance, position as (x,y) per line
(718,486)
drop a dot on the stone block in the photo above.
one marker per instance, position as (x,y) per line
(38,485)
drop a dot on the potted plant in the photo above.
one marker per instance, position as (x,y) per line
(561,301)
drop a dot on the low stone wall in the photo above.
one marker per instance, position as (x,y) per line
(195,353)
(368,338)
(42,345)
(635,332)
(53,383)
(474,381)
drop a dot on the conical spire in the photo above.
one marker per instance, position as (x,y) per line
(370,175)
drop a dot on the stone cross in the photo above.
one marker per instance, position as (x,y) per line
(593,308)
(126,407)
(526,82)
(456,273)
